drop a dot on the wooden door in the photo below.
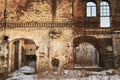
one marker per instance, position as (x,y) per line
(86,55)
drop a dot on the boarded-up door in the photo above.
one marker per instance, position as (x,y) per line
(86,55)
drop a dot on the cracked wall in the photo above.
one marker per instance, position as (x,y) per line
(38,11)
(48,47)
(56,44)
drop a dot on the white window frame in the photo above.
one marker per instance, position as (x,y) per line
(104,14)
(91,9)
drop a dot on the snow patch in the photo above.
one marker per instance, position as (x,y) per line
(66,75)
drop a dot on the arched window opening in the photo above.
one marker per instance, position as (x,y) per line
(91,9)
(104,14)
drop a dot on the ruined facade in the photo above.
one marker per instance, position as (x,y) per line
(59,34)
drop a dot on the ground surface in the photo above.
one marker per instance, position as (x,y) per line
(26,73)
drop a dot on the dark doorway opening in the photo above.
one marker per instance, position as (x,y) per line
(22,52)
(16,50)
(30,60)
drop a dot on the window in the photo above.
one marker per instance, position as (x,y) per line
(104,14)
(91,9)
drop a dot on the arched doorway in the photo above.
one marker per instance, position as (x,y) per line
(86,55)
(86,52)
(21,52)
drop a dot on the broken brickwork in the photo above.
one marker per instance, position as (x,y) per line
(29,37)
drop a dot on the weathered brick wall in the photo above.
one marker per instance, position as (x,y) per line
(116,48)
(104,45)
(40,11)
(58,46)
(1,9)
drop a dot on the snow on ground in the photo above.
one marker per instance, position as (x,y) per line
(66,75)
(27,69)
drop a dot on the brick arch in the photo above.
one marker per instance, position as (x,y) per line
(21,39)
(92,1)
(95,42)
(17,52)
(107,1)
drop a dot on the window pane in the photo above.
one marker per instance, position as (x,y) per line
(88,11)
(104,9)
(94,11)
(107,7)
(91,9)
(105,14)
(108,14)
(91,4)
(105,21)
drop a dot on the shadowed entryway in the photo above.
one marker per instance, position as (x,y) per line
(22,52)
